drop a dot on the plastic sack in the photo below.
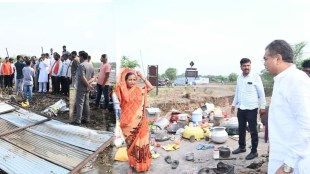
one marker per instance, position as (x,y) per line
(119,138)
(53,110)
(121,154)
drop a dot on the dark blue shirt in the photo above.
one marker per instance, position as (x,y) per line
(19,69)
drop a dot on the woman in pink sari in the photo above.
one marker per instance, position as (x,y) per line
(133,121)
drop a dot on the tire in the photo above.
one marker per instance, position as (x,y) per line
(192,139)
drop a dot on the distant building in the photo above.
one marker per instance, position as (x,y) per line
(181,81)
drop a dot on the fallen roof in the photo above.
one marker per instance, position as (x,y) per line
(52,145)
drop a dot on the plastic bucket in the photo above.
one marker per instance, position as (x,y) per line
(196,117)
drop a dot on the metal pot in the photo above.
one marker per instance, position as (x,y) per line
(219,135)
(224,152)
(161,123)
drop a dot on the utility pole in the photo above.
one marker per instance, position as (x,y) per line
(142,62)
(7,52)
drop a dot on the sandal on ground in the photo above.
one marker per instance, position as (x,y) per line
(168,159)
(174,164)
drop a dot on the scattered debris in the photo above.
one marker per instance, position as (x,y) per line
(223,168)
(255,165)
(53,110)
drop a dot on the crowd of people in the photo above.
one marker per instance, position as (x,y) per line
(56,73)
(55,68)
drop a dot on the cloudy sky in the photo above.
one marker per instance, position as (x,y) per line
(169,33)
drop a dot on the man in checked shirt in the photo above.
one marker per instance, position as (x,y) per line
(249,99)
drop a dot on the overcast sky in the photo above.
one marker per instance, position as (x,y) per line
(169,33)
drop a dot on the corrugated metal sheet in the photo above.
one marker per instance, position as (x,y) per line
(51,147)
(4,108)
(15,160)
(6,126)
(55,151)
(74,135)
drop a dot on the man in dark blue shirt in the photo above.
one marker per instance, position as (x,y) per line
(19,65)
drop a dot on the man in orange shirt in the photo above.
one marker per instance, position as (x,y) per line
(1,77)
(7,72)
(103,82)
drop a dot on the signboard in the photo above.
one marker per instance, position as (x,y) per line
(152,74)
(191,72)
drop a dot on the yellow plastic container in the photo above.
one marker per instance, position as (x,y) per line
(195,133)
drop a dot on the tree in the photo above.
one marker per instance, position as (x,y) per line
(181,75)
(163,76)
(298,53)
(126,62)
(267,80)
(171,73)
(233,77)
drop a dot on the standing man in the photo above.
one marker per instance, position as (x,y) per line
(13,75)
(84,74)
(64,70)
(249,93)
(289,112)
(64,50)
(19,65)
(6,72)
(55,73)
(28,75)
(306,67)
(103,82)
(1,77)
(75,64)
(43,74)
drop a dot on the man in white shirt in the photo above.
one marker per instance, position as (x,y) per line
(63,74)
(249,94)
(289,112)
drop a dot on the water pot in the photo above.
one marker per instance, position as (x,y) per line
(219,135)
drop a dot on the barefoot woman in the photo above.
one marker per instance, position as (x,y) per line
(133,119)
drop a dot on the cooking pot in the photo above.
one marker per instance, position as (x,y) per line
(224,152)
(219,135)
(161,123)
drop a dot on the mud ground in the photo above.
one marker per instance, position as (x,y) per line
(203,158)
(186,99)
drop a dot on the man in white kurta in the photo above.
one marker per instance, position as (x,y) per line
(289,112)
(43,75)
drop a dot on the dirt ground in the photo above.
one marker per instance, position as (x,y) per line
(186,99)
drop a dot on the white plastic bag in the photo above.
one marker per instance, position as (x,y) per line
(55,108)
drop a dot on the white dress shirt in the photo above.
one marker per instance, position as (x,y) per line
(249,92)
(65,66)
(289,121)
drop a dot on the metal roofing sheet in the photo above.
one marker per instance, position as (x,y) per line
(74,135)
(50,147)
(4,107)
(15,160)
(6,126)
(65,155)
